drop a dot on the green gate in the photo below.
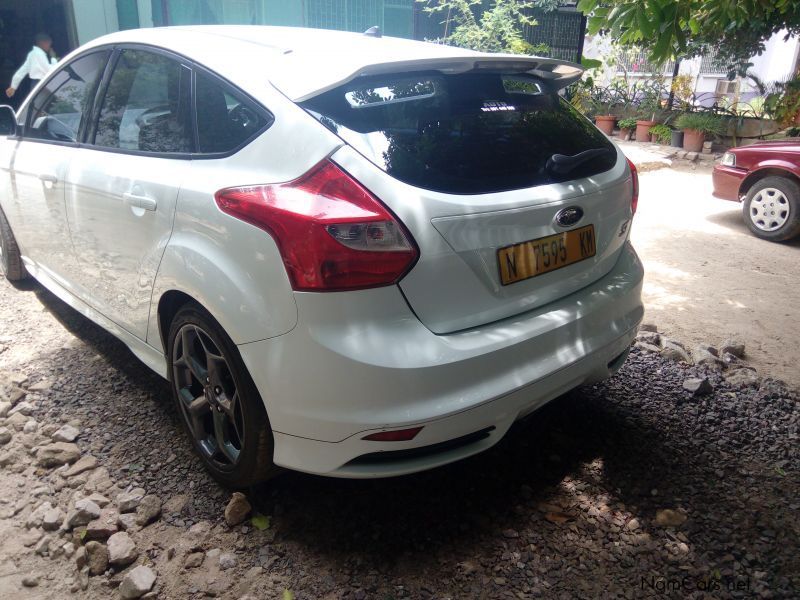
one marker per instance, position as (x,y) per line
(561,30)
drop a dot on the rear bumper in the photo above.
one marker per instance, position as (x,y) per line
(361,362)
(727,181)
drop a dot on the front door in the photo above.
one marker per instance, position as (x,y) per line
(121,189)
(40,162)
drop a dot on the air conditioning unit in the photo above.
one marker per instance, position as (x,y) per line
(726,87)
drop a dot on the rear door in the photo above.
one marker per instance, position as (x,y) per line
(513,197)
(121,188)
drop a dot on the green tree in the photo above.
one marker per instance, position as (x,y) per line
(498,28)
(736,29)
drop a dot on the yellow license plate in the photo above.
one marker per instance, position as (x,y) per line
(535,257)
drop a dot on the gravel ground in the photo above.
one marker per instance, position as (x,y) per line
(708,278)
(629,489)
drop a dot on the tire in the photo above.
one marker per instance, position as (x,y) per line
(227,422)
(10,259)
(771,209)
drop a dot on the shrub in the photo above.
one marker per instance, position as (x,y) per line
(628,123)
(662,132)
(783,105)
(704,122)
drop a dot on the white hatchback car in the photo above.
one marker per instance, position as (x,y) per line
(350,255)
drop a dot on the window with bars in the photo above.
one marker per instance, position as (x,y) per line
(711,65)
(634,63)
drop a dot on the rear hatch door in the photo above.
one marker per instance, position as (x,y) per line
(513,197)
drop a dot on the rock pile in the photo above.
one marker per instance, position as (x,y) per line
(728,360)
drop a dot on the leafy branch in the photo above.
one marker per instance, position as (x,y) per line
(499,28)
(735,29)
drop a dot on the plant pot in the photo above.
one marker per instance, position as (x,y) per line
(677,138)
(625,134)
(693,140)
(643,130)
(654,138)
(605,123)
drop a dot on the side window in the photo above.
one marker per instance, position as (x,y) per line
(57,110)
(146,105)
(225,119)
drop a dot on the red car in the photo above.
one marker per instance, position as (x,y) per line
(765,177)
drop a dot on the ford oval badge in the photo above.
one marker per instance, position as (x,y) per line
(567,217)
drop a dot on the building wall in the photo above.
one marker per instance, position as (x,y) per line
(395,17)
(145,13)
(94,18)
(779,60)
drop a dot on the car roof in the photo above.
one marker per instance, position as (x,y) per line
(303,62)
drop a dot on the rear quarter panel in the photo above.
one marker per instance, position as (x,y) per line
(233,269)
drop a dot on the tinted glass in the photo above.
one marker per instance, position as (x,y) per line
(146,105)
(466,134)
(225,119)
(58,108)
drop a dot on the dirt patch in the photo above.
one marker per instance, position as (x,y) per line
(708,278)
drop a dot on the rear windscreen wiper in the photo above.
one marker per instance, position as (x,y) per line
(562,164)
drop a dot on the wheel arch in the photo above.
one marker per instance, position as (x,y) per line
(250,297)
(770,171)
(169,304)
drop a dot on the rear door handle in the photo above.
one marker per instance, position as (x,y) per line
(145,202)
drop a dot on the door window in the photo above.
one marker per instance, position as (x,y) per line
(58,109)
(225,119)
(146,105)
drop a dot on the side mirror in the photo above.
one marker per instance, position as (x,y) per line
(8,120)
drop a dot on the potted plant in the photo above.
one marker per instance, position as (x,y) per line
(603,101)
(649,106)
(660,134)
(643,129)
(696,127)
(626,126)
(605,123)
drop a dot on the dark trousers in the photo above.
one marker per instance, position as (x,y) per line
(22,92)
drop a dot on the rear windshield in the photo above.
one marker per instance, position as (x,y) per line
(470,133)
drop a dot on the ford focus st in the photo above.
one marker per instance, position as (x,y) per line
(350,255)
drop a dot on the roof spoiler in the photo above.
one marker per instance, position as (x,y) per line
(555,74)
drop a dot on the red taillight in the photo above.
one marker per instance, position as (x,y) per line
(635,181)
(333,234)
(398,435)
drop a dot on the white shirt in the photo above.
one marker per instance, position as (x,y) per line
(36,66)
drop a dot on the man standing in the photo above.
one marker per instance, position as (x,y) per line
(37,65)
